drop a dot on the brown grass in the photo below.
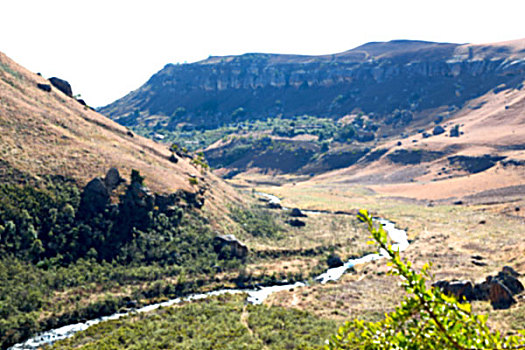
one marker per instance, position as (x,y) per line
(49,133)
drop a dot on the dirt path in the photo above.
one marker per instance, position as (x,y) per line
(244,321)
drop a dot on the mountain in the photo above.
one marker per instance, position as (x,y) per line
(378,79)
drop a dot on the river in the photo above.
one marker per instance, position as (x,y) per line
(254,296)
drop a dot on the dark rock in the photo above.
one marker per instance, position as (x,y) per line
(62,85)
(112,179)
(227,246)
(296,223)
(82,102)
(426,135)
(334,260)
(130,134)
(481,290)
(479,263)
(510,281)
(297,213)
(510,271)
(462,290)
(454,132)
(135,205)
(500,296)
(399,143)
(173,158)
(458,203)
(482,222)
(44,87)
(438,129)
(274,205)
(95,197)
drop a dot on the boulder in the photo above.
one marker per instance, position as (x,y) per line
(297,213)
(112,179)
(334,260)
(274,205)
(296,223)
(438,129)
(500,296)
(462,290)
(509,281)
(227,246)
(62,85)
(95,197)
(44,87)
(481,290)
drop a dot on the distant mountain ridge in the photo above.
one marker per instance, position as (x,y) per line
(376,78)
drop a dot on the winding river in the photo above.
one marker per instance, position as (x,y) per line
(254,296)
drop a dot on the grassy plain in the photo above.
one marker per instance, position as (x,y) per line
(462,242)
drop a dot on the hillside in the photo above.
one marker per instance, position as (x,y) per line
(484,163)
(76,243)
(420,78)
(49,133)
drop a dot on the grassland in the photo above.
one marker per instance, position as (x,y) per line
(449,236)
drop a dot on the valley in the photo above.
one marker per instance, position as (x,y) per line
(247,174)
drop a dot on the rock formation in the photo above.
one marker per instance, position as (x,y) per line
(62,85)
(227,246)
(499,289)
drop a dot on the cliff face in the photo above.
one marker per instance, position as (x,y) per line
(375,78)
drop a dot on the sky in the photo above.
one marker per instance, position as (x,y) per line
(107,48)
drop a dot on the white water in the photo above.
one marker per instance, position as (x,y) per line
(399,237)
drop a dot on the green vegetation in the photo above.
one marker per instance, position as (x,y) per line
(61,262)
(426,319)
(217,323)
(199,138)
(257,222)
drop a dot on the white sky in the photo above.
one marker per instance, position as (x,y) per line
(107,48)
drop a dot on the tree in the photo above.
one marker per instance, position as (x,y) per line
(426,319)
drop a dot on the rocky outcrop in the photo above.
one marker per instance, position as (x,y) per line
(62,85)
(44,87)
(498,289)
(227,246)
(500,296)
(112,179)
(462,290)
(94,198)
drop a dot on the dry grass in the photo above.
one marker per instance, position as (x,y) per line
(49,133)
(446,235)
